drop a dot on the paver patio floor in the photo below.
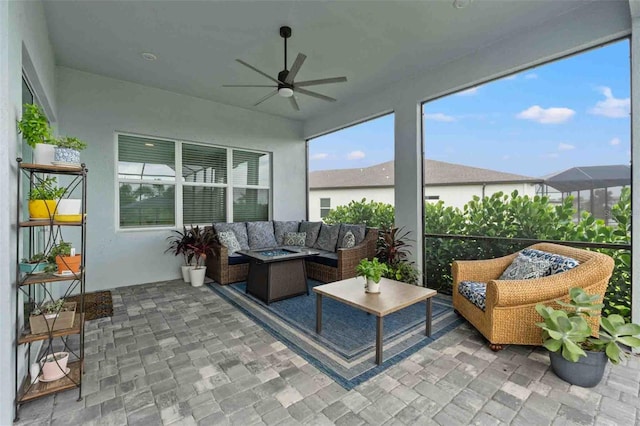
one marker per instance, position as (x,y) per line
(178,355)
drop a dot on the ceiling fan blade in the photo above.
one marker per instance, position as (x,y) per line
(294,103)
(257,70)
(314,94)
(248,85)
(265,98)
(295,68)
(321,81)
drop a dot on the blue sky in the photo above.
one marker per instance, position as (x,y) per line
(572,112)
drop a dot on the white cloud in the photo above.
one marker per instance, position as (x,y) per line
(531,76)
(611,107)
(438,116)
(355,155)
(546,115)
(511,77)
(320,156)
(614,141)
(565,147)
(468,92)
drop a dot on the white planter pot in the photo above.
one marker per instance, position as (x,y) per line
(185,273)
(372,286)
(197,276)
(44,154)
(54,369)
(68,206)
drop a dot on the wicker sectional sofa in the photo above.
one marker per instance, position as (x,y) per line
(333,262)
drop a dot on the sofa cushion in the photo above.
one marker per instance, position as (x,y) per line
(238,228)
(559,263)
(261,235)
(328,237)
(328,259)
(297,239)
(281,228)
(474,292)
(525,268)
(348,241)
(238,259)
(312,229)
(358,232)
(229,240)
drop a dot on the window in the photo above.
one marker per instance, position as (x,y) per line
(325,207)
(152,194)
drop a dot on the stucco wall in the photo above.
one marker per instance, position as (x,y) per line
(93,108)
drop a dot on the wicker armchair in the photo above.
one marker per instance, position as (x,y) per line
(510,316)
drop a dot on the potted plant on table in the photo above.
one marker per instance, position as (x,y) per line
(575,356)
(35,129)
(68,150)
(43,198)
(372,270)
(202,246)
(180,245)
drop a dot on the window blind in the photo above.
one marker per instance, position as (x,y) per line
(202,204)
(204,164)
(250,204)
(143,158)
(251,168)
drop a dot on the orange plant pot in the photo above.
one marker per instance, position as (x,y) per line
(69,263)
(42,209)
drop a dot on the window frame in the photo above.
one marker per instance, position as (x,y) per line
(328,209)
(179,184)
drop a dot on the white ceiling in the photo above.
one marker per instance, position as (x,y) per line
(373,43)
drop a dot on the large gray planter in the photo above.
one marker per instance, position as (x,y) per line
(587,372)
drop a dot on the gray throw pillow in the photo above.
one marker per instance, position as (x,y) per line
(312,229)
(282,228)
(358,232)
(229,240)
(328,237)
(261,235)
(238,228)
(348,241)
(525,268)
(295,239)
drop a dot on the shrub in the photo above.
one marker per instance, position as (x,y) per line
(373,214)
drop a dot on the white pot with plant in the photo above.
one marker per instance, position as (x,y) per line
(35,129)
(54,366)
(372,270)
(575,356)
(201,246)
(180,245)
(68,150)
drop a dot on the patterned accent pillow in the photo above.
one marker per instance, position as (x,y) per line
(229,240)
(559,263)
(238,228)
(474,292)
(358,231)
(282,228)
(525,268)
(295,239)
(312,229)
(328,237)
(261,235)
(349,240)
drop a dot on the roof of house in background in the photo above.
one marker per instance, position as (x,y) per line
(437,173)
(590,177)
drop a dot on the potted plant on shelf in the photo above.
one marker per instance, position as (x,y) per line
(575,356)
(52,316)
(202,246)
(372,270)
(37,264)
(180,245)
(68,150)
(54,366)
(43,199)
(35,129)
(65,257)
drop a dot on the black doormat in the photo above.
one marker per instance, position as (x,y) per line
(96,305)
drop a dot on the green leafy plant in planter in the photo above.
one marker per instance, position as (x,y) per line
(34,126)
(373,271)
(38,263)
(68,149)
(576,357)
(43,198)
(393,249)
(180,245)
(201,246)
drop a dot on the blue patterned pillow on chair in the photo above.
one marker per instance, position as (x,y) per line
(525,268)
(559,263)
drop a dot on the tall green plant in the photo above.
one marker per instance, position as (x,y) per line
(34,126)
(373,214)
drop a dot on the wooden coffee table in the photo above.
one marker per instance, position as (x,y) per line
(393,296)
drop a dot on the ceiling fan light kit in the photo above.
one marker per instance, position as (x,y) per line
(285,86)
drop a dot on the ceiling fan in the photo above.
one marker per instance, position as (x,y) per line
(284,84)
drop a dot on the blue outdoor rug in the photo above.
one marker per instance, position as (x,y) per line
(346,348)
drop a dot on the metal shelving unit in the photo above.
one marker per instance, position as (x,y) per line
(34,289)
